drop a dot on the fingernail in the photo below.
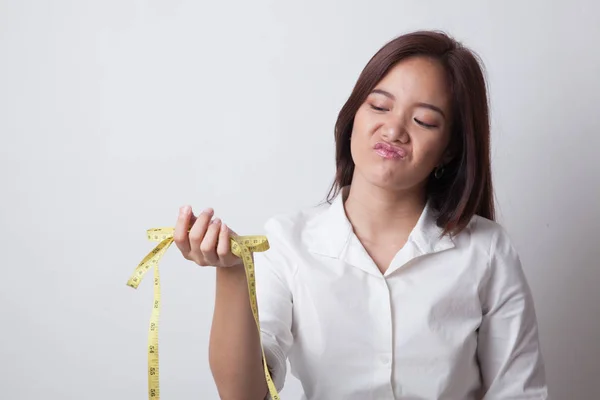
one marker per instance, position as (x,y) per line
(224,227)
(208,211)
(215,221)
(184,209)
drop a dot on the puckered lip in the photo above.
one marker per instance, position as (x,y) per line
(402,152)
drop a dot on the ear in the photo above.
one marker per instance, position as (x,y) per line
(450,153)
(447,156)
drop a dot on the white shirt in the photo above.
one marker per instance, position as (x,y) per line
(451,318)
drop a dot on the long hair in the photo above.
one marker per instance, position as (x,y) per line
(465,188)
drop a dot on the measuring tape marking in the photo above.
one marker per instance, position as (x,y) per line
(241,246)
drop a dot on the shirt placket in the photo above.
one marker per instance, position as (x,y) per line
(385,357)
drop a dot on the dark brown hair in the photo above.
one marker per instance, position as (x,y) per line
(465,188)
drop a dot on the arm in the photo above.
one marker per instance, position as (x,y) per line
(275,270)
(235,354)
(508,347)
(234,349)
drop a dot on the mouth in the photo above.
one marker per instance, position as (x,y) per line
(389,152)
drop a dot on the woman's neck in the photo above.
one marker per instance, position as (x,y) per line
(382,215)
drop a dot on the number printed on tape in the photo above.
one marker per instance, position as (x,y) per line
(241,246)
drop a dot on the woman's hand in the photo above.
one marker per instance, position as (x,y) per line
(204,240)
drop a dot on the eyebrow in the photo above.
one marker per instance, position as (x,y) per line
(420,104)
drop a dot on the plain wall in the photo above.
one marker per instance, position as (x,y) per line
(115,113)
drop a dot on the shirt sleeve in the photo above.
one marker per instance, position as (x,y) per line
(273,272)
(508,347)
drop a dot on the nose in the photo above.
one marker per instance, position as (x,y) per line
(395,131)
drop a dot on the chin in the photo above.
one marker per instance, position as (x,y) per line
(385,176)
(397,179)
(388,181)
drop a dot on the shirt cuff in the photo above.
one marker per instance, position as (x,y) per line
(276,361)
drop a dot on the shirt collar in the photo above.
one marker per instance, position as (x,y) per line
(331,234)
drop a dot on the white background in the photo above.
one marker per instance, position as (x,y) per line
(115,113)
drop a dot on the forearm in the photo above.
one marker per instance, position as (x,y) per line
(234,351)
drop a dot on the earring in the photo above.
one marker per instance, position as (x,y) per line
(439,171)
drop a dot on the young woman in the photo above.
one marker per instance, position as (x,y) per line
(400,286)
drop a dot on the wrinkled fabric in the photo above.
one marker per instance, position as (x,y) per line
(451,318)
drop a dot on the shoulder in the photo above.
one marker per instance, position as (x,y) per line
(487,235)
(504,271)
(285,233)
(290,227)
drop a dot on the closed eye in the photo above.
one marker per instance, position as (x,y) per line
(424,124)
(378,108)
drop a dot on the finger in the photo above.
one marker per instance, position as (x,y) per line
(224,244)
(232,233)
(180,234)
(192,221)
(198,230)
(208,247)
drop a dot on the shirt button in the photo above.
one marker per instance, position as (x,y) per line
(386,360)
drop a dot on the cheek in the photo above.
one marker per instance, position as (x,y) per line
(429,151)
(362,121)
(360,136)
(360,147)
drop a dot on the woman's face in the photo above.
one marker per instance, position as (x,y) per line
(402,130)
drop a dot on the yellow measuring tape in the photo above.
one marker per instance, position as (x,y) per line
(241,246)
